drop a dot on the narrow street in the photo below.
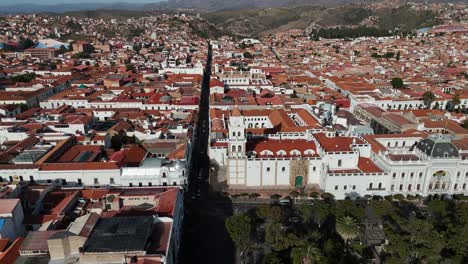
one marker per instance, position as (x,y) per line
(204,236)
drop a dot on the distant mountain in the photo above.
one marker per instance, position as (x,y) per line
(143,5)
(245,4)
(61,8)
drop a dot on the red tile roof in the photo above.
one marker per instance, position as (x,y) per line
(286,145)
(336,144)
(3,244)
(94,194)
(8,205)
(167,202)
(12,253)
(368,166)
(80,166)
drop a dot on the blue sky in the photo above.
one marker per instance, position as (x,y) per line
(53,2)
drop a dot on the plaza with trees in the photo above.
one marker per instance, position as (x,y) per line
(416,230)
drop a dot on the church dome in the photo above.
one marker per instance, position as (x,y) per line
(438,147)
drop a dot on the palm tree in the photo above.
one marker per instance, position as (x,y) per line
(306,255)
(347,228)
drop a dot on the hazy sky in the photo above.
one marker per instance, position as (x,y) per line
(53,2)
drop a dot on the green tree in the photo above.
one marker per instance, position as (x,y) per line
(330,247)
(248,55)
(26,43)
(456,100)
(415,241)
(389,55)
(25,78)
(294,194)
(272,258)
(321,212)
(275,196)
(63,49)
(348,207)
(129,67)
(375,55)
(254,195)
(270,213)
(305,212)
(136,48)
(82,55)
(279,238)
(314,195)
(239,228)
(428,98)
(347,228)
(328,196)
(309,254)
(397,83)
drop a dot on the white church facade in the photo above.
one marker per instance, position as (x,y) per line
(340,164)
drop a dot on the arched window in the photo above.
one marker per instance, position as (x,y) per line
(164,175)
(281,153)
(370,185)
(233,148)
(239,134)
(239,148)
(233,134)
(380,185)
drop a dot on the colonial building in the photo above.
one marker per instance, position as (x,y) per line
(342,164)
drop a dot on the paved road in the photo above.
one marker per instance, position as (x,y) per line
(204,236)
(199,165)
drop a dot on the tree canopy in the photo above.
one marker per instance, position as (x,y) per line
(239,228)
(397,83)
(428,98)
(25,78)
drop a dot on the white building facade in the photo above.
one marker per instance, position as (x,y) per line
(343,165)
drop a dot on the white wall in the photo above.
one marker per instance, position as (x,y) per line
(87,176)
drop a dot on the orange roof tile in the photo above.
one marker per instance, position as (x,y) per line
(12,253)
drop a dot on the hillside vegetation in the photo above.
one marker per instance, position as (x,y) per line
(107,14)
(261,21)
